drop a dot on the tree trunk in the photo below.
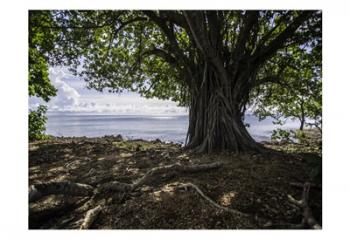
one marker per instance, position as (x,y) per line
(215,118)
(302,117)
(302,122)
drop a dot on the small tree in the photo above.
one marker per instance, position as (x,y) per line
(37,121)
(296,92)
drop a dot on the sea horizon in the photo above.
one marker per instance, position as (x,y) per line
(166,127)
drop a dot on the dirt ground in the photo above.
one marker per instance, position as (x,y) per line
(255,184)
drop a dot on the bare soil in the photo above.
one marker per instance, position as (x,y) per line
(255,184)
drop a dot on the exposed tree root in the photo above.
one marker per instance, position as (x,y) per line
(200,192)
(308,218)
(67,188)
(165,171)
(37,216)
(76,189)
(90,217)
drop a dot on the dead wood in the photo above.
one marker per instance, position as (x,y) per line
(200,192)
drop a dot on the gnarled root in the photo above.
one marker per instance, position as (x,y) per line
(90,217)
(67,188)
(165,171)
(308,218)
(200,192)
(38,191)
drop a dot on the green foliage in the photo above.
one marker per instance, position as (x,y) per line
(281,135)
(37,121)
(289,136)
(41,39)
(154,52)
(41,43)
(300,136)
(293,89)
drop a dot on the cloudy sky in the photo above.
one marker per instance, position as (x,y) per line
(73,96)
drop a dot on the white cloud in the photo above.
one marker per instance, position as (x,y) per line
(67,97)
(127,104)
(73,97)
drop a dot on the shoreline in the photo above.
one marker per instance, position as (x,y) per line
(311,143)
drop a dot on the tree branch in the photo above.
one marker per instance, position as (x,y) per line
(263,54)
(161,53)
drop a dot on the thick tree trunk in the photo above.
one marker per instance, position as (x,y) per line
(221,88)
(215,118)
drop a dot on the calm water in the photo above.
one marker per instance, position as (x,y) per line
(166,128)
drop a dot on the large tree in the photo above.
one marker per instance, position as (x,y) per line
(209,61)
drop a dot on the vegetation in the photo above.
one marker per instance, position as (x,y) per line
(37,121)
(41,43)
(210,61)
(297,91)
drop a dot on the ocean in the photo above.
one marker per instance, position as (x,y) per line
(148,127)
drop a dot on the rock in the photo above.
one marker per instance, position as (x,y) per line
(157,141)
(119,137)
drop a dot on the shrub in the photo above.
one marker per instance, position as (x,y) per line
(300,137)
(37,121)
(281,135)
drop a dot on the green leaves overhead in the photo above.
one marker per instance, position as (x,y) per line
(41,42)
(156,53)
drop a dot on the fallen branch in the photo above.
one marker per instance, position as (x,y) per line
(38,191)
(90,217)
(166,171)
(308,218)
(200,192)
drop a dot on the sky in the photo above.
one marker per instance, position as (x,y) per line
(73,96)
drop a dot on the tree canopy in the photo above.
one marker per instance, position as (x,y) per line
(41,42)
